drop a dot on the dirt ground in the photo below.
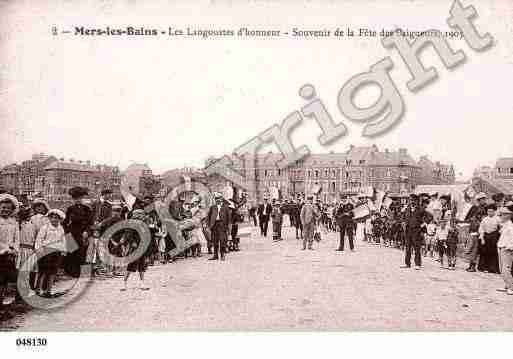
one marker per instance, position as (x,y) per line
(277,286)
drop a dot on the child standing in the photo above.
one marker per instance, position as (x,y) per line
(9,241)
(52,240)
(93,255)
(27,261)
(132,239)
(368,228)
(452,246)
(40,208)
(430,238)
(442,234)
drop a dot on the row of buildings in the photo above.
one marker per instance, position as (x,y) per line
(497,178)
(51,177)
(330,174)
(355,171)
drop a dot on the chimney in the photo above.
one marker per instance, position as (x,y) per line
(403,151)
(72,160)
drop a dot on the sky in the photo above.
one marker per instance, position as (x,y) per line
(173,102)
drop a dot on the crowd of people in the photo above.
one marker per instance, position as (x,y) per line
(45,242)
(422,225)
(35,239)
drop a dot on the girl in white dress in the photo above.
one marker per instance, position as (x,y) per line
(9,241)
(26,260)
(50,237)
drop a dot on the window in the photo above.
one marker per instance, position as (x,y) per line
(316,174)
(348,162)
(266,173)
(279,172)
(362,162)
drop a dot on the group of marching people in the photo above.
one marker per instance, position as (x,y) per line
(427,225)
(422,225)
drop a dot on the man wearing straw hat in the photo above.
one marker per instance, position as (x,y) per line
(505,246)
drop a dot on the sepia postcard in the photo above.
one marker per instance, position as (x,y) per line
(295,167)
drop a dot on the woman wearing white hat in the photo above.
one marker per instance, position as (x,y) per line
(9,240)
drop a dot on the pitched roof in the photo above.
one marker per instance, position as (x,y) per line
(392,158)
(10,169)
(69,166)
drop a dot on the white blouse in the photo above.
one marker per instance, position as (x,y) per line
(506,238)
(39,220)
(9,234)
(52,237)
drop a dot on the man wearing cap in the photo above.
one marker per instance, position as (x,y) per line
(474,216)
(345,222)
(505,246)
(264,213)
(78,222)
(102,209)
(219,220)
(416,219)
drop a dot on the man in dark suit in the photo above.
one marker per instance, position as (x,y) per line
(219,221)
(78,222)
(416,219)
(103,208)
(345,221)
(264,213)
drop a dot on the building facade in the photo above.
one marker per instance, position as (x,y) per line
(9,179)
(353,172)
(504,168)
(51,178)
(495,179)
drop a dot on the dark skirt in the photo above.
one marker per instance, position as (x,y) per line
(488,254)
(50,263)
(7,268)
(139,265)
